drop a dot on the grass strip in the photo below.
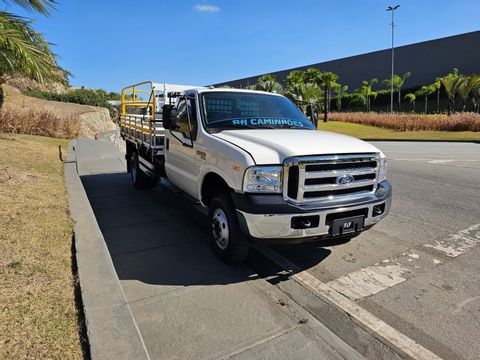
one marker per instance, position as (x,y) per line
(372,132)
(37,303)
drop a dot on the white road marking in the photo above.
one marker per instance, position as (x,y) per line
(459,243)
(439,161)
(390,272)
(396,340)
(370,280)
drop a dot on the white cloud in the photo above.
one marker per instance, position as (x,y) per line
(206,8)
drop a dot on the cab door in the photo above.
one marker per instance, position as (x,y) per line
(180,154)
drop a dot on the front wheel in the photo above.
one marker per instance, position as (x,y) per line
(228,241)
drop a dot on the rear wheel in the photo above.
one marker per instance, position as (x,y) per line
(226,237)
(139,179)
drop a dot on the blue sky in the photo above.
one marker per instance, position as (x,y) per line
(109,44)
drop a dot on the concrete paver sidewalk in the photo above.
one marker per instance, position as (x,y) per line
(187,303)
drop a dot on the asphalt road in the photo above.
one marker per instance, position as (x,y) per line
(418,270)
(428,245)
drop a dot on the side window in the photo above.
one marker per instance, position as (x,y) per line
(192,113)
(187,117)
(182,118)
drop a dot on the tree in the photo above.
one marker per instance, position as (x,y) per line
(340,91)
(327,81)
(411,99)
(451,83)
(268,83)
(312,75)
(437,86)
(23,51)
(304,94)
(467,85)
(476,96)
(295,77)
(367,93)
(398,82)
(425,91)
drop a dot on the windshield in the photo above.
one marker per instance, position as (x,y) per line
(234,110)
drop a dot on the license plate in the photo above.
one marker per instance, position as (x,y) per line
(347,225)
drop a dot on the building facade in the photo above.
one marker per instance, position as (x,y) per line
(425,60)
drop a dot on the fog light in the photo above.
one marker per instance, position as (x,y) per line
(305,222)
(378,210)
(380,192)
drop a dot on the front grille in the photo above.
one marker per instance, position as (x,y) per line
(316,178)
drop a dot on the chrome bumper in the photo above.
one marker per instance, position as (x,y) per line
(279,226)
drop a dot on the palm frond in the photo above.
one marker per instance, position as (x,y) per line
(41,6)
(24,52)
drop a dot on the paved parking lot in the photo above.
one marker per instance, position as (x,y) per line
(418,270)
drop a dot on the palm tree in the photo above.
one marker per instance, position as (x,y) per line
(425,91)
(411,99)
(466,87)
(295,77)
(451,83)
(268,83)
(476,96)
(327,81)
(23,51)
(340,91)
(398,82)
(304,94)
(312,75)
(437,86)
(367,93)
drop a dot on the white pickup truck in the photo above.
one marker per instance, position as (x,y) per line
(256,162)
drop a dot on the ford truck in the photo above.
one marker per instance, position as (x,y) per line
(255,161)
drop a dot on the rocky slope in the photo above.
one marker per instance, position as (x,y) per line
(93,119)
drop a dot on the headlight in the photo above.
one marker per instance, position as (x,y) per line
(382,172)
(266,179)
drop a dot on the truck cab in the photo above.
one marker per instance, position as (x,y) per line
(262,169)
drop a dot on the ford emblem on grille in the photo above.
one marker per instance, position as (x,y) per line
(345,179)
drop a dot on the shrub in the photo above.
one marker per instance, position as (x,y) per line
(39,123)
(81,96)
(405,122)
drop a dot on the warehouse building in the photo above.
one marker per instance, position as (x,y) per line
(425,60)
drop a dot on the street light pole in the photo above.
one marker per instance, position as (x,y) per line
(392,9)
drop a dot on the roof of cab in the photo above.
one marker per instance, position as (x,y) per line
(211,89)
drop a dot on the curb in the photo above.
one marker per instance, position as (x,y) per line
(111,328)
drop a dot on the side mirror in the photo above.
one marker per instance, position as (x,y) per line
(169,117)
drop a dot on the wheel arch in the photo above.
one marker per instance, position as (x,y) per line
(211,184)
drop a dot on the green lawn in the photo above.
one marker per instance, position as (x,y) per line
(371,132)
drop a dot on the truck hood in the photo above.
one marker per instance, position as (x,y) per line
(273,146)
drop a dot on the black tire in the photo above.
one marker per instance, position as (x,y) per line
(139,179)
(227,239)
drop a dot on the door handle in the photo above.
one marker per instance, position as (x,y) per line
(167,144)
(202,155)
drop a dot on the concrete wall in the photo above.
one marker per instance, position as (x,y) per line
(425,60)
